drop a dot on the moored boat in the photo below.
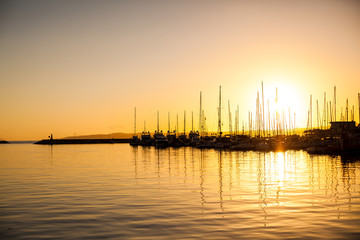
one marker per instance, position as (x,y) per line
(145,139)
(160,140)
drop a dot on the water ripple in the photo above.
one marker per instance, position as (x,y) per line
(120,192)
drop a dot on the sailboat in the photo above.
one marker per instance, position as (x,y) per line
(221,141)
(135,141)
(160,140)
(146,139)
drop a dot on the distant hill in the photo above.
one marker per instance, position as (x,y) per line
(102,136)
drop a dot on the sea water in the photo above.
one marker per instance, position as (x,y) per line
(115,191)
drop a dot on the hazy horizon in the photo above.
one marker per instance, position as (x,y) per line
(81,67)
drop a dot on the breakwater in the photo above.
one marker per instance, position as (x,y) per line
(81,141)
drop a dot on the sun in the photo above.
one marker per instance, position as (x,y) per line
(285,99)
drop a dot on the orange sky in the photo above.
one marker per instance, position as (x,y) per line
(80,67)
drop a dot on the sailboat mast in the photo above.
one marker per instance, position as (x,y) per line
(169,122)
(327,114)
(324,110)
(331,115)
(268,103)
(289,128)
(236,123)
(310,113)
(283,122)
(317,113)
(219,113)
(158,121)
(192,121)
(200,115)
(257,116)
(135,122)
(177,123)
(203,122)
(184,122)
(249,124)
(230,122)
(359,105)
(347,110)
(237,119)
(277,114)
(263,107)
(308,117)
(334,103)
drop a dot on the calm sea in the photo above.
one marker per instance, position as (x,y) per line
(115,191)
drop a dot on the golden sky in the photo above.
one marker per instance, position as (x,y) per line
(80,67)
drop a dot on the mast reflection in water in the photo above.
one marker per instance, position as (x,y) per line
(118,191)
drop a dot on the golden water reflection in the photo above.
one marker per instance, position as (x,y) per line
(274,187)
(118,191)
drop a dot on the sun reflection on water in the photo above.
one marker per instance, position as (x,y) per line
(190,193)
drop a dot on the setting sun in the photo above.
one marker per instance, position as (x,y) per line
(288,98)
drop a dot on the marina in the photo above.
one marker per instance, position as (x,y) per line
(332,141)
(330,137)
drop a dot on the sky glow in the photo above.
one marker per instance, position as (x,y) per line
(80,67)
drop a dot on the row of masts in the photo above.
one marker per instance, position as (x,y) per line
(270,123)
(265,125)
(169,129)
(329,111)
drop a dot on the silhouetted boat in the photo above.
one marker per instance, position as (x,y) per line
(184,141)
(173,141)
(194,138)
(160,140)
(135,141)
(145,139)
